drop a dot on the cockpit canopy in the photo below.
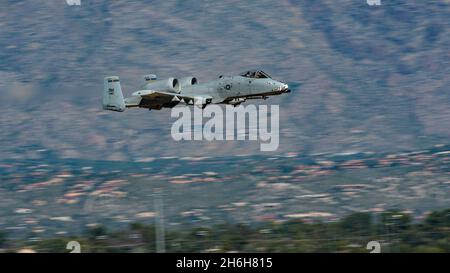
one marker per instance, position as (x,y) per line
(255,74)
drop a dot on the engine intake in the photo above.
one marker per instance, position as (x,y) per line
(168,85)
(188,81)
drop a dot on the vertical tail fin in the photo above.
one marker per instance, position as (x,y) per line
(112,95)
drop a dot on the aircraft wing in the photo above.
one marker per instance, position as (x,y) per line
(167,97)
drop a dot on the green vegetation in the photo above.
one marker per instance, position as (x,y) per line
(394,230)
(2,239)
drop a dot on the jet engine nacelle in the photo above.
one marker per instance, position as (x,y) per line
(188,81)
(167,85)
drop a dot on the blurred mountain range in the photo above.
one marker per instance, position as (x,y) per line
(364,78)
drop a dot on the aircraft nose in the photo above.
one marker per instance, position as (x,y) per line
(284,87)
(280,87)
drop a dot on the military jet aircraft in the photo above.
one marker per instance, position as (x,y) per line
(157,94)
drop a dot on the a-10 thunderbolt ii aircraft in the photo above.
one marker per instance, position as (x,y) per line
(156,94)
